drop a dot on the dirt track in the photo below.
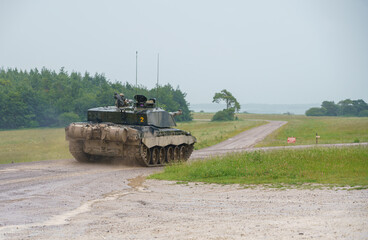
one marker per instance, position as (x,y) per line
(64,199)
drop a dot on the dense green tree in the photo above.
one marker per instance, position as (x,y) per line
(360,105)
(68,117)
(316,112)
(228,98)
(331,108)
(363,113)
(47,98)
(345,107)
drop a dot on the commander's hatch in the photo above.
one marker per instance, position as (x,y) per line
(142,102)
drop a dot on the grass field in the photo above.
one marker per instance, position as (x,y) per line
(33,145)
(333,166)
(49,143)
(330,129)
(211,133)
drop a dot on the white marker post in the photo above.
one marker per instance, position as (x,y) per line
(317,137)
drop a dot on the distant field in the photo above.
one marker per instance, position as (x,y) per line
(33,145)
(49,143)
(211,133)
(334,166)
(202,116)
(330,129)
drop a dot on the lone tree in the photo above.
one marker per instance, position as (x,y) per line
(228,98)
(232,105)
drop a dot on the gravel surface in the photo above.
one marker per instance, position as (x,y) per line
(64,199)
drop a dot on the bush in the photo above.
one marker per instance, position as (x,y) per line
(224,115)
(68,117)
(346,108)
(363,113)
(316,112)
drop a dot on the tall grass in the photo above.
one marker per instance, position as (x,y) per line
(33,145)
(211,133)
(330,129)
(49,143)
(199,116)
(337,166)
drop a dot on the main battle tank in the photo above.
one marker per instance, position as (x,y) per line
(140,132)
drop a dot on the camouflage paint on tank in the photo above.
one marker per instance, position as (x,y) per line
(141,133)
(146,117)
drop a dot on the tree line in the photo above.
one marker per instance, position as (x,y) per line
(346,107)
(45,98)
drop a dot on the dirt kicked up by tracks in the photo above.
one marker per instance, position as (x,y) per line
(65,199)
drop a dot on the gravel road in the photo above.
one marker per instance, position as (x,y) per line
(240,142)
(64,199)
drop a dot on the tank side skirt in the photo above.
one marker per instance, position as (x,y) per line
(149,147)
(168,140)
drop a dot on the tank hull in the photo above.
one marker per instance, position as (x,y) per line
(147,145)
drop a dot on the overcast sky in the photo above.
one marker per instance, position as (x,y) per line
(261,51)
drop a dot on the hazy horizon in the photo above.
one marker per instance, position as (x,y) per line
(298,109)
(264,52)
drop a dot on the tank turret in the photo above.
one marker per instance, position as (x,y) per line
(141,132)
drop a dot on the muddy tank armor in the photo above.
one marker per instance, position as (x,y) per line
(141,133)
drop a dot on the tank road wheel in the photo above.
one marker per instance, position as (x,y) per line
(182,152)
(188,152)
(155,155)
(76,149)
(146,155)
(170,154)
(177,153)
(162,156)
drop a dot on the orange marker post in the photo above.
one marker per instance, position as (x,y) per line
(291,140)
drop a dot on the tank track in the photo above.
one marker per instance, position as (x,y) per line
(76,149)
(160,156)
(147,157)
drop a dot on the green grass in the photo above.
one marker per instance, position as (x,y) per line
(49,143)
(207,116)
(211,133)
(333,166)
(330,129)
(33,145)
(28,145)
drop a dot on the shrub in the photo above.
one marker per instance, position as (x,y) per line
(316,112)
(224,115)
(363,113)
(68,117)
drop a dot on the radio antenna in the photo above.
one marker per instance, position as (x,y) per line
(136,72)
(158,75)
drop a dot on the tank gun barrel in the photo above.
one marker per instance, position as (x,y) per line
(179,112)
